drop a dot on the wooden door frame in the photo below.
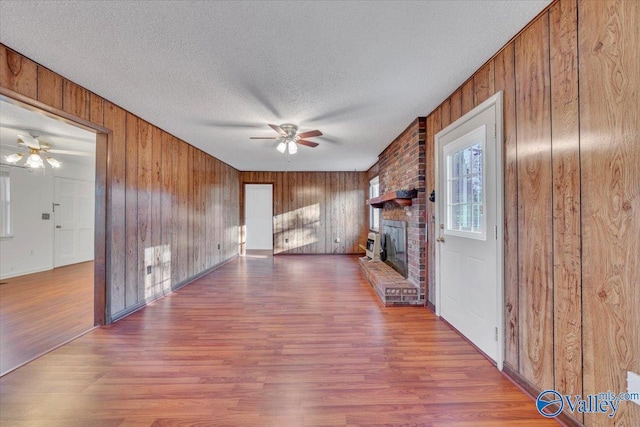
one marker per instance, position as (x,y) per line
(101,303)
(495,100)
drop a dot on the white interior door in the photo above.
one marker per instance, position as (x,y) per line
(469,227)
(74,221)
(258,216)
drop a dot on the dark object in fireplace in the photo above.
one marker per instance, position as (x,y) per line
(394,245)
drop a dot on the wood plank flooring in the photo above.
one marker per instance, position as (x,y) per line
(268,341)
(43,310)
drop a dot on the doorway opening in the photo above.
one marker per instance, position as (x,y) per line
(258,217)
(52,247)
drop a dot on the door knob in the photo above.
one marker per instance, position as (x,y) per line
(440,239)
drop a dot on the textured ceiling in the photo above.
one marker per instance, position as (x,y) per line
(216,73)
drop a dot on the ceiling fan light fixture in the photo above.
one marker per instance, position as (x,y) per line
(53,162)
(14,158)
(282,147)
(35,161)
(293,147)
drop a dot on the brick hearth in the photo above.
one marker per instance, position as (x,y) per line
(389,285)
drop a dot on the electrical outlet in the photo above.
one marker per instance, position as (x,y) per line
(218,246)
(633,385)
(148,269)
(337,240)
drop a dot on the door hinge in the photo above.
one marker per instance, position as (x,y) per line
(495,135)
(496,330)
(495,231)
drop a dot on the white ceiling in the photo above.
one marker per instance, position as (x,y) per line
(216,73)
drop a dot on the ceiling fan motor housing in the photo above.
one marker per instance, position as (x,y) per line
(289,128)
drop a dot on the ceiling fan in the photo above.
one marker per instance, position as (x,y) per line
(36,148)
(289,139)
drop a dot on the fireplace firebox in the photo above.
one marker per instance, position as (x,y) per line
(394,245)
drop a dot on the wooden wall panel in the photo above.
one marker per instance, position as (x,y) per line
(217,194)
(49,88)
(196,226)
(286,208)
(76,100)
(183,220)
(115,118)
(131,212)
(156,211)
(191,211)
(567,295)
(210,234)
(167,202)
(96,108)
(483,84)
(336,212)
(312,209)
(144,142)
(364,228)
(534,204)
(18,73)
(204,239)
(609,42)
(505,81)
(156,185)
(445,116)
(176,209)
(316,181)
(455,111)
(467,100)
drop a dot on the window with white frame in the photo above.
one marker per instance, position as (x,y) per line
(5,203)
(374,213)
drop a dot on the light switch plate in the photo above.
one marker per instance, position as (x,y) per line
(633,385)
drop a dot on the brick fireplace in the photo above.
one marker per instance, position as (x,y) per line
(401,166)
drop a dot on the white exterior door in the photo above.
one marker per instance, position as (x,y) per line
(258,216)
(74,221)
(469,228)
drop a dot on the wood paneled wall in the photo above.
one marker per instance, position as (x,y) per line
(313,209)
(570,83)
(169,205)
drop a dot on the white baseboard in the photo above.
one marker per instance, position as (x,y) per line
(24,272)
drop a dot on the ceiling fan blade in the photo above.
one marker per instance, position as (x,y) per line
(12,147)
(278,129)
(310,133)
(307,143)
(74,153)
(30,142)
(263,137)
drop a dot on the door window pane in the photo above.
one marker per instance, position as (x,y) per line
(465,189)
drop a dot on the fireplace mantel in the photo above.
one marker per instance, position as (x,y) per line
(400,197)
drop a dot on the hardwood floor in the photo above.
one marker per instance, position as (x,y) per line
(43,310)
(268,341)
